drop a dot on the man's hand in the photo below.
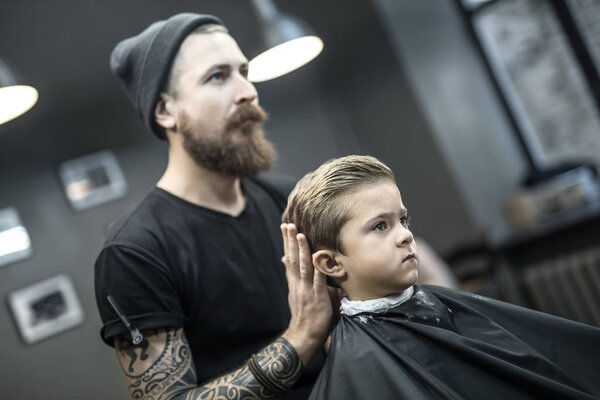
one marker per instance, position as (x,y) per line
(308,298)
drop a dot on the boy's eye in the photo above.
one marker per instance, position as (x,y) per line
(244,72)
(405,221)
(381,226)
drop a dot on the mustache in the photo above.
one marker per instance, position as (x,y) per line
(244,113)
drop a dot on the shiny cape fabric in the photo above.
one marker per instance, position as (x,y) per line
(447,344)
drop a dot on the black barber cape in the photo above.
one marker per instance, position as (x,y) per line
(446,344)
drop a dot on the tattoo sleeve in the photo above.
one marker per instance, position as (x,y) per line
(162,369)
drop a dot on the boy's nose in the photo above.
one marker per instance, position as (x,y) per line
(404,237)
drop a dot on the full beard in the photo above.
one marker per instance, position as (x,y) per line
(244,153)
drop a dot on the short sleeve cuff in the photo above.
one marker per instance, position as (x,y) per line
(144,322)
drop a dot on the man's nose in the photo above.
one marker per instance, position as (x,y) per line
(246,92)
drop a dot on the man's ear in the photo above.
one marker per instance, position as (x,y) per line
(165,112)
(325,262)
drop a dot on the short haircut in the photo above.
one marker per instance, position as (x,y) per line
(171,87)
(314,206)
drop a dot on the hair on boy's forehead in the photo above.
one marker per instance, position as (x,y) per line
(314,204)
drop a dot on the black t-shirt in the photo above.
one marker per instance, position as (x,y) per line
(172,263)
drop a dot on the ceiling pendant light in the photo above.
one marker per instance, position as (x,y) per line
(15,100)
(290,43)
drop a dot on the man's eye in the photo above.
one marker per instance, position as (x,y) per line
(216,77)
(405,221)
(381,226)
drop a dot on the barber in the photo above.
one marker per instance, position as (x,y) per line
(199,304)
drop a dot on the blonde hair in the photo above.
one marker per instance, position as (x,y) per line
(314,206)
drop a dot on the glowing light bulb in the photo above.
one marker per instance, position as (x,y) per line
(284,58)
(16,100)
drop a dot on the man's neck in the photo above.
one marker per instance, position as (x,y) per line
(195,184)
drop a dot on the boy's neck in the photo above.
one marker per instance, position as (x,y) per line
(375,306)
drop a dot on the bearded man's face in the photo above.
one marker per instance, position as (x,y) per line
(240,149)
(217,107)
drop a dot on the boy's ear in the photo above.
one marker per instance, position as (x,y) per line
(325,262)
(165,112)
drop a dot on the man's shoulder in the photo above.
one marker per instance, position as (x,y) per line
(277,186)
(139,223)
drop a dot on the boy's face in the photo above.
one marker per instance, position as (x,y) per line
(381,256)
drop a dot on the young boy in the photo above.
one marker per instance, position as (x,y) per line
(398,340)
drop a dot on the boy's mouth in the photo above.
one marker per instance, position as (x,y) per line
(409,257)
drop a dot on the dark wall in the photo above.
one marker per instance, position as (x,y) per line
(360,73)
(354,98)
(460,104)
(75,364)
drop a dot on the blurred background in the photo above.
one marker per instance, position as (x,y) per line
(487,111)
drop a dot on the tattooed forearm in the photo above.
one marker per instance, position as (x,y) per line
(163,369)
(239,385)
(279,363)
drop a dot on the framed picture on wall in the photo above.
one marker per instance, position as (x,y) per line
(539,75)
(92,180)
(587,15)
(15,244)
(45,308)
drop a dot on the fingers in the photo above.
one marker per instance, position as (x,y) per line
(297,258)
(308,299)
(284,259)
(290,248)
(305,259)
(319,279)
(285,237)
(292,253)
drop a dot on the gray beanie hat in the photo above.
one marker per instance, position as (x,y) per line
(143,62)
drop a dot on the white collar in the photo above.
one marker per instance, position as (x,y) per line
(376,306)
